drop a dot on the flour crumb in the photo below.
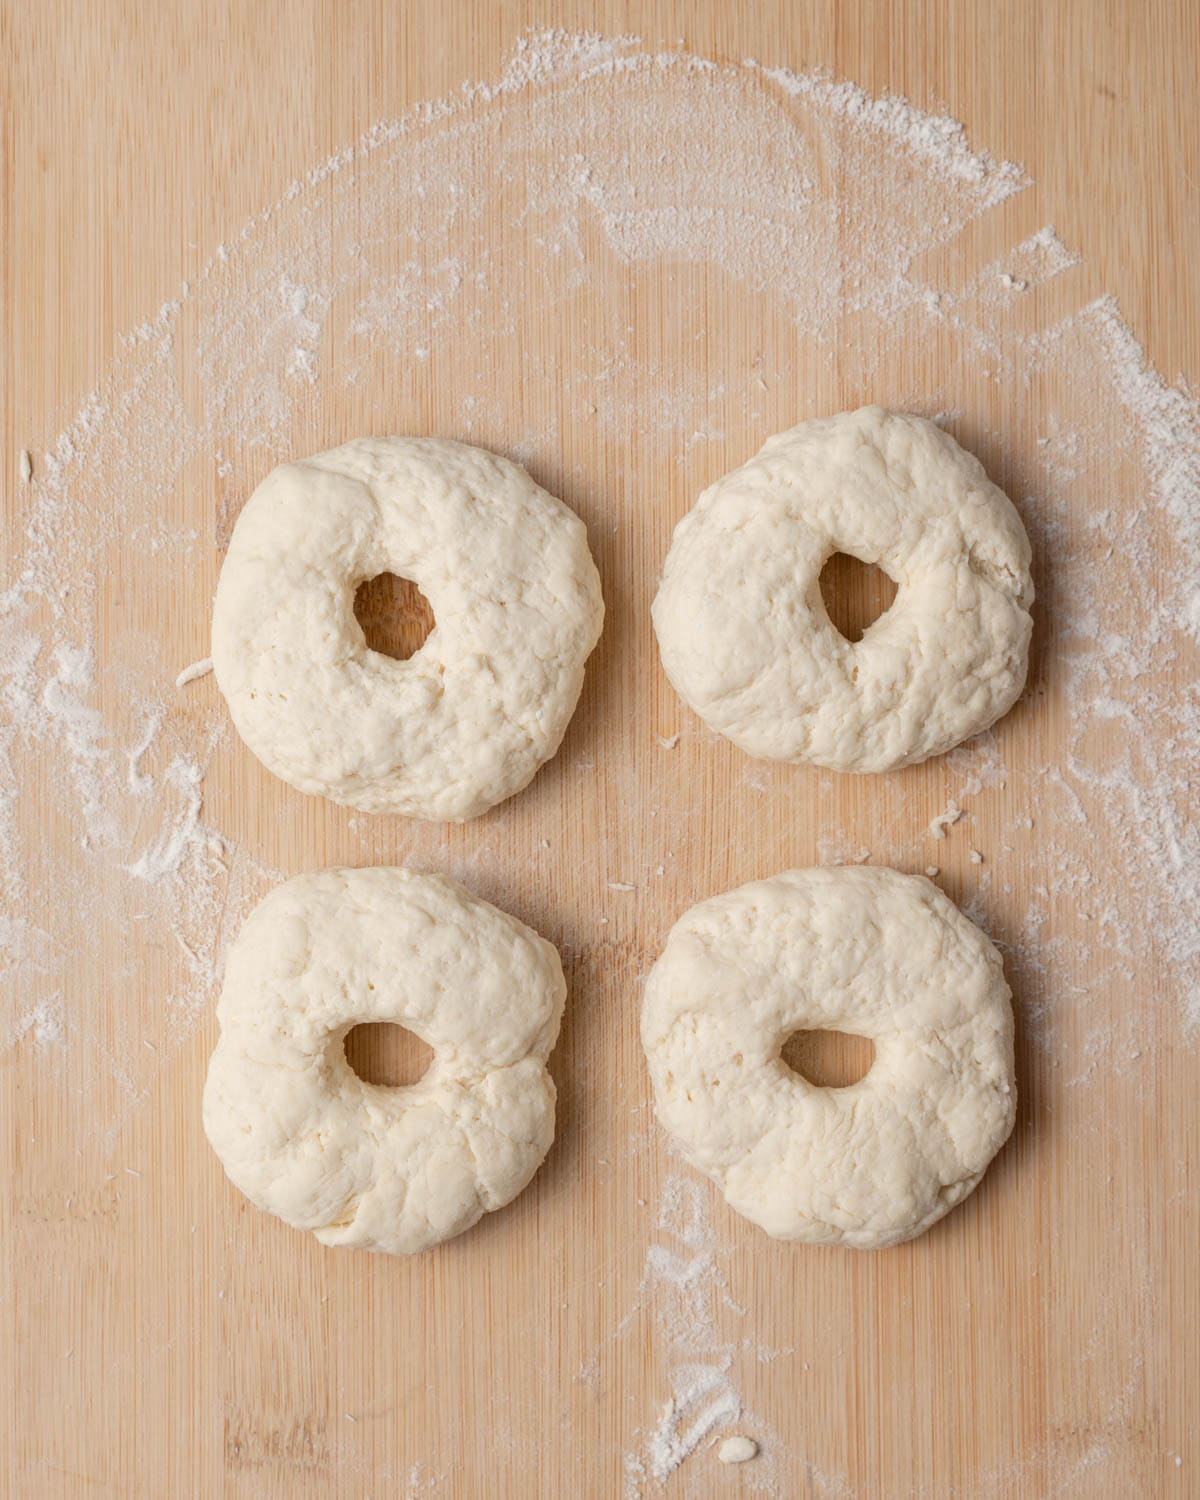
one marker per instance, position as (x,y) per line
(139,784)
(976,857)
(945,820)
(669,742)
(195,671)
(932,870)
(1013,283)
(43,1024)
(26,466)
(736,1450)
(165,855)
(621,885)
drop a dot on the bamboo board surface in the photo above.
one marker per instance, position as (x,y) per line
(160,1337)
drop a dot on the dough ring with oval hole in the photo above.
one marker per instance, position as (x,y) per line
(744,633)
(861,950)
(393,1169)
(467,720)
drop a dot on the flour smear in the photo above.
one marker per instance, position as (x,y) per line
(798,200)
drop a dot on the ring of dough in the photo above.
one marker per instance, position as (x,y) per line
(394,1169)
(744,633)
(862,950)
(467,720)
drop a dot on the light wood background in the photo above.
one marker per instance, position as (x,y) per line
(140,1356)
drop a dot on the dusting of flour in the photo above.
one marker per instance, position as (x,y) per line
(381,263)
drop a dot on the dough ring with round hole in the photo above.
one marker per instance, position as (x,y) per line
(467,720)
(861,950)
(394,1169)
(744,633)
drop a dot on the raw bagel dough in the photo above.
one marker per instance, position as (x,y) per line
(862,950)
(467,720)
(396,1169)
(744,633)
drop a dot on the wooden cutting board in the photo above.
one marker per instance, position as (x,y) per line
(159,1336)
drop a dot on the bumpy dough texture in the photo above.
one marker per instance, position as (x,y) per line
(395,1169)
(866,951)
(744,633)
(468,719)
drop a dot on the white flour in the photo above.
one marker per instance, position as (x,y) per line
(686,1294)
(792,206)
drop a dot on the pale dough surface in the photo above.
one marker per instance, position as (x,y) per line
(468,719)
(743,630)
(860,950)
(394,1169)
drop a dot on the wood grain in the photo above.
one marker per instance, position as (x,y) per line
(158,1336)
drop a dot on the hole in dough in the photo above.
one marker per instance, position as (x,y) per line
(388,1055)
(829,1059)
(855,594)
(394,614)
